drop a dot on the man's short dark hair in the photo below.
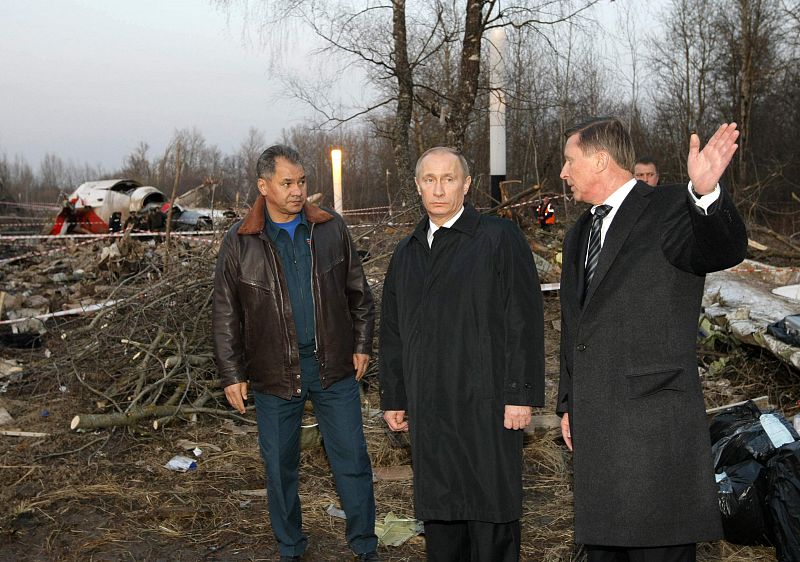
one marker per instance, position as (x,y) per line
(265,168)
(608,134)
(647,160)
(446,150)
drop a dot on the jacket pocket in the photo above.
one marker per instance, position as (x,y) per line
(647,384)
(255,284)
(329,265)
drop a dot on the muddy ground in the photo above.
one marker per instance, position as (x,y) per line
(104,494)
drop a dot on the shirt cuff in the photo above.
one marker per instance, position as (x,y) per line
(704,201)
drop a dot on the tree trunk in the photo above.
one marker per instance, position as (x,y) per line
(405,99)
(469,70)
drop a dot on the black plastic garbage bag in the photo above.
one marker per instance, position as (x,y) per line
(786,330)
(757,439)
(784,501)
(729,420)
(742,495)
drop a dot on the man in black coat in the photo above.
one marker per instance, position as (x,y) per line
(461,365)
(633,273)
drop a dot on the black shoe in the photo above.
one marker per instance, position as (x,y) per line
(291,558)
(369,557)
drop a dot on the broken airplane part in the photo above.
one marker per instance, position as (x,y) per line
(99,207)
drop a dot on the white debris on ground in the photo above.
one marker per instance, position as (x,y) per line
(740,300)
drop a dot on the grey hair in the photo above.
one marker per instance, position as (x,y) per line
(265,168)
(608,134)
(446,150)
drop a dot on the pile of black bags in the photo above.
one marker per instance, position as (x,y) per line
(757,462)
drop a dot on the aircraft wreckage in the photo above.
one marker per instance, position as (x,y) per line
(99,207)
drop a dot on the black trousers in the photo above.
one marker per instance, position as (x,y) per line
(472,541)
(675,553)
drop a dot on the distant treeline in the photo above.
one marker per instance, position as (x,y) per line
(711,61)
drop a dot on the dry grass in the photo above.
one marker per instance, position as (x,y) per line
(104,495)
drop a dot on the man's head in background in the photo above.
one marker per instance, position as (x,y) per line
(645,169)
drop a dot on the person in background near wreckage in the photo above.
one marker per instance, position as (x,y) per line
(545,213)
(461,364)
(631,402)
(646,170)
(293,319)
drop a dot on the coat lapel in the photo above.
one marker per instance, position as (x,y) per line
(627,215)
(572,264)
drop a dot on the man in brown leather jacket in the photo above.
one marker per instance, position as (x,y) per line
(293,319)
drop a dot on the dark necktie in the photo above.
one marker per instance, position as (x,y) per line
(593,253)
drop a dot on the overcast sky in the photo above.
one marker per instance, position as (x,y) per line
(88,80)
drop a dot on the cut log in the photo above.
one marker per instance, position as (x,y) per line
(99,421)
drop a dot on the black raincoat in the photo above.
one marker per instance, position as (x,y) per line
(461,337)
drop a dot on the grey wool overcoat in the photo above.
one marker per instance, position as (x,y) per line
(462,336)
(643,474)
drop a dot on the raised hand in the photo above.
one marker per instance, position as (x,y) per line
(707,166)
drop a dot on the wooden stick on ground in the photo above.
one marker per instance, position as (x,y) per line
(98,421)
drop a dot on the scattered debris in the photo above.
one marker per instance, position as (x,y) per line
(394,531)
(762,402)
(151,349)
(179,463)
(787,330)
(334,511)
(9,367)
(187,445)
(757,461)
(14,433)
(98,207)
(740,301)
(5,417)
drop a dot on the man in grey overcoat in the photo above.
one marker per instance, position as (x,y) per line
(461,364)
(630,397)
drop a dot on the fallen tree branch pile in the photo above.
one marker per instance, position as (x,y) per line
(148,356)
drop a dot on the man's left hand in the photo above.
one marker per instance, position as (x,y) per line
(517,417)
(360,362)
(706,166)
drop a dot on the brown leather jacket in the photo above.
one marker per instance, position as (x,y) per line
(252,321)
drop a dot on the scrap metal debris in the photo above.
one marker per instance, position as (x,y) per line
(740,300)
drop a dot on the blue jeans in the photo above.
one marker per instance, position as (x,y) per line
(338,411)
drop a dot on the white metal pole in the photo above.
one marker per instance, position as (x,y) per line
(497,109)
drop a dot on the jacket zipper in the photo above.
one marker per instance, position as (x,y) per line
(314,300)
(283,305)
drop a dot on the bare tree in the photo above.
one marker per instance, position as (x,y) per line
(753,33)
(441,40)
(137,166)
(683,61)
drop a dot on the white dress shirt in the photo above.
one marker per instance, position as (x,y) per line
(432,228)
